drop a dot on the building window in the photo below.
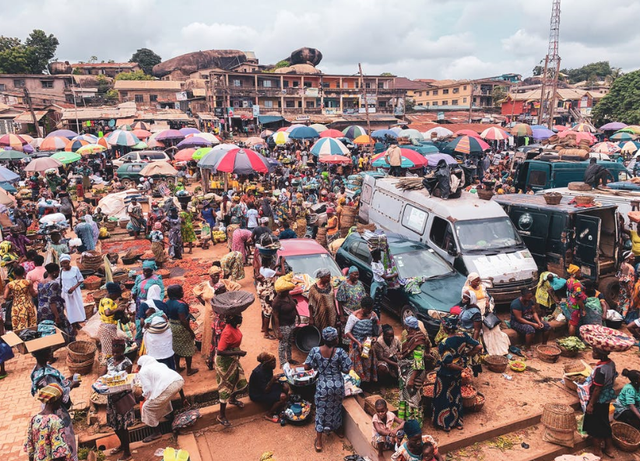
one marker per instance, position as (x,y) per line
(456,90)
(454,102)
(268,104)
(296,84)
(124,94)
(153,98)
(19,83)
(285,84)
(367,85)
(381,85)
(445,91)
(2,87)
(46,83)
(382,104)
(419,94)
(445,103)
(427,104)
(307,84)
(266,83)
(420,104)
(435,92)
(345,84)
(338,84)
(237,82)
(475,100)
(139,98)
(464,100)
(310,104)
(290,104)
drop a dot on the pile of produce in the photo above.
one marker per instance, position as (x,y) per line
(468,392)
(572,343)
(518,365)
(218,236)
(92,279)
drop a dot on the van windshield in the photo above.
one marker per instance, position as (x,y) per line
(487,234)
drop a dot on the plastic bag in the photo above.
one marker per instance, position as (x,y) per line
(92,326)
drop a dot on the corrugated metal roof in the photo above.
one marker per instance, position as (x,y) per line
(98,113)
(26,117)
(148,85)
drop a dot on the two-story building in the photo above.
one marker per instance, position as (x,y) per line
(457,94)
(44,90)
(152,93)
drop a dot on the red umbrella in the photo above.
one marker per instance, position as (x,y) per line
(331,134)
(334,159)
(467,133)
(142,134)
(184,155)
(560,127)
(242,161)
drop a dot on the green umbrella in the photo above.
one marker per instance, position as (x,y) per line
(12,155)
(66,157)
(197,155)
(140,146)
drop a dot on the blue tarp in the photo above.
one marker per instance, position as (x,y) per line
(266,119)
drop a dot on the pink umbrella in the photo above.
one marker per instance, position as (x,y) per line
(169,134)
(334,159)
(579,135)
(494,134)
(467,133)
(332,134)
(242,161)
(141,134)
(184,155)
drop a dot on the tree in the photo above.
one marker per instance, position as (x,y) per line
(146,59)
(135,75)
(622,103)
(14,60)
(498,94)
(594,71)
(30,57)
(42,49)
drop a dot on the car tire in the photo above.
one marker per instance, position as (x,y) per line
(128,183)
(407,311)
(610,288)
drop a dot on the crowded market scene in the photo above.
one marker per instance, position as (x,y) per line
(267,262)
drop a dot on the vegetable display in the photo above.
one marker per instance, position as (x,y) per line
(572,343)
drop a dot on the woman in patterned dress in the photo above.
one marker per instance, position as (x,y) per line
(183,335)
(229,372)
(330,362)
(109,323)
(175,233)
(239,241)
(351,291)
(45,435)
(51,304)
(412,372)
(626,276)
(186,229)
(362,324)
(232,266)
(157,243)
(23,311)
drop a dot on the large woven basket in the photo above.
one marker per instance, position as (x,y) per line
(232,302)
(564,352)
(553,198)
(584,199)
(573,367)
(92,285)
(110,225)
(484,194)
(479,404)
(496,363)
(625,437)
(548,352)
(559,418)
(470,400)
(83,368)
(81,351)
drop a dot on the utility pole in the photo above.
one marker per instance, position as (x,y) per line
(366,106)
(551,68)
(27,98)
(471,100)
(75,105)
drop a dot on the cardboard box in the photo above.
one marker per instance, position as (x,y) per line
(13,340)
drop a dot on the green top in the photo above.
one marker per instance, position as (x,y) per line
(628,396)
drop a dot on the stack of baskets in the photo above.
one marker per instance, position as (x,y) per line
(321,236)
(559,423)
(91,260)
(347,219)
(80,356)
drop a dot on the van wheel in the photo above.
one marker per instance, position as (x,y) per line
(407,311)
(128,183)
(610,288)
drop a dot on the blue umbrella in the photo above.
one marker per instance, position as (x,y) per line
(329,146)
(542,133)
(8,187)
(382,133)
(539,127)
(303,132)
(6,175)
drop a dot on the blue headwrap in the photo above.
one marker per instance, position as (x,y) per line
(149,264)
(114,288)
(412,428)
(353,269)
(411,322)
(450,322)
(329,334)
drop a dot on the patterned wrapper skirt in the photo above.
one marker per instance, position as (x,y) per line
(183,344)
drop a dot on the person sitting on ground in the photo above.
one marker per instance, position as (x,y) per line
(525,320)
(626,406)
(265,388)
(411,449)
(387,427)
(387,349)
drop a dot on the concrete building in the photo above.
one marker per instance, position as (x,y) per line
(456,94)
(571,103)
(109,69)
(44,90)
(152,93)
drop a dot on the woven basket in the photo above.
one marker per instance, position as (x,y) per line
(565,439)
(479,404)
(570,384)
(98,295)
(548,353)
(573,367)
(564,352)
(110,225)
(89,310)
(625,437)
(559,418)
(496,363)
(584,199)
(470,401)
(92,285)
(484,194)
(81,351)
(123,224)
(552,198)
(121,277)
(83,368)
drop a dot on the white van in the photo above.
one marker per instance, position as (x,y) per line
(473,235)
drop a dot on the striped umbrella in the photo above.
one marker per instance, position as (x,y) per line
(584,127)
(242,161)
(122,138)
(494,134)
(53,143)
(331,134)
(335,159)
(140,126)
(303,132)
(125,128)
(622,136)
(606,148)
(62,133)
(212,138)
(27,138)
(521,130)
(329,146)
(439,131)
(11,154)
(91,139)
(629,147)
(12,140)
(265,134)
(169,135)
(66,157)
(184,155)
(73,146)
(210,157)
(353,131)
(89,149)
(410,159)
(141,134)
(468,133)
(467,145)
(103,142)
(189,130)
(318,127)
(363,139)
(412,134)
(633,129)
(280,137)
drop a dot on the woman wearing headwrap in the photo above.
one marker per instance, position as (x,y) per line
(233,265)
(299,213)
(546,297)
(627,404)
(45,435)
(186,229)
(626,277)
(265,388)
(23,311)
(229,372)
(350,292)
(411,449)
(322,303)
(240,240)
(412,365)
(363,323)
(285,315)
(447,394)
(107,310)
(51,304)
(8,260)
(159,386)
(183,336)
(155,215)
(140,291)
(575,298)
(44,375)
(175,235)
(120,406)
(265,280)
(212,324)
(157,243)
(158,339)
(71,279)
(137,222)
(330,362)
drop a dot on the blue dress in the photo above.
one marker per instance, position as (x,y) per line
(329,387)
(209,216)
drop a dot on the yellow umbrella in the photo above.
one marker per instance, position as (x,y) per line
(281,137)
(633,128)
(88,149)
(363,139)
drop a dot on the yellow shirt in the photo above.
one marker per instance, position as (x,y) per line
(107,303)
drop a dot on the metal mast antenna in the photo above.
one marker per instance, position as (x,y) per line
(551,69)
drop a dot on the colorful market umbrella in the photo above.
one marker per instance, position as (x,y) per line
(542,133)
(125,128)
(154,144)
(613,126)
(198,154)
(439,131)
(53,143)
(254,140)
(189,130)
(411,134)
(103,142)
(304,132)
(363,139)
(140,146)
(329,146)
(11,154)
(628,147)
(62,133)
(73,146)
(169,135)
(433,159)
(331,133)
(160,168)
(89,149)
(66,157)
(140,126)
(6,175)
(290,128)
(353,131)
(122,138)
(91,139)
(12,140)
(467,145)
(410,159)
(606,148)
(280,137)
(211,156)
(265,134)
(521,130)
(194,141)
(242,161)
(43,164)
(494,134)
(633,129)
(142,134)
(580,127)
(212,138)
(318,127)
(184,155)
(335,159)
(579,135)
(380,134)
(622,136)
(475,134)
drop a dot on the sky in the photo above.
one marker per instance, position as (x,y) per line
(439,39)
